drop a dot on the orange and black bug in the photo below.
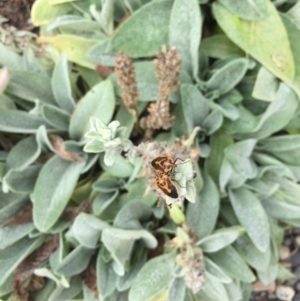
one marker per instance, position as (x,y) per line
(166,185)
(164,164)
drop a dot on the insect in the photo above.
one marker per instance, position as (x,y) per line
(164,164)
(166,185)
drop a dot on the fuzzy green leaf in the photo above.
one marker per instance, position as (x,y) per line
(120,244)
(281,209)
(14,121)
(30,86)
(202,215)
(244,245)
(62,293)
(265,39)
(81,256)
(10,204)
(220,47)
(61,85)
(10,235)
(22,181)
(228,76)
(13,255)
(233,264)
(152,278)
(99,102)
(220,239)
(195,106)
(185,32)
(10,58)
(87,229)
(106,276)
(278,114)
(144,32)
(248,9)
(43,12)
(252,216)
(215,271)
(177,289)
(213,290)
(132,214)
(56,117)
(103,200)
(53,190)
(266,85)
(121,168)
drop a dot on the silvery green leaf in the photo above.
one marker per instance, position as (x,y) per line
(244,245)
(53,189)
(120,168)
(252,216)
(144,32)
(15,121)
(177,289)
(110,156)
(154,276)
(10,58)
(113,126)
(246,122)
(56,117)
(10,204)
(99,102)
(47,273)
(269,275)
(13,255)
(138,260)
(212,122)
(88,294)
(94,146)
(278,114)
(62,293)
(10,235)
(22,181)
(281,209)
(120,243)
(61,85)
(215,271)
(233,264)
(113,143)
(220,238)
(106,276)
(248,10)
(266,85)
(209,45)
(132,214)
(87,229)
(195,105)
(30,86)
(218,142)
(202,215)
(7,287)
(81,256)
(213,290)
(228,76)
(234,290)
(185,33)
(103,201)
(107,184)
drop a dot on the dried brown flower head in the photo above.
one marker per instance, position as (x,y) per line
(167,70)
(190,258)
(126,79)
(159,116)
(167,67)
